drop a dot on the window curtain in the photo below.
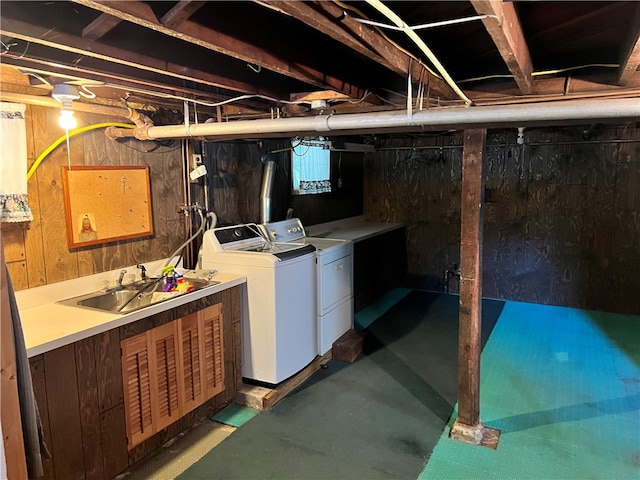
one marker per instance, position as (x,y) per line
(13,164)
(311,168)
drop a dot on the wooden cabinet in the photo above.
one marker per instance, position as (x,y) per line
(186,354)
(170,370)
(212,351)
(201,351)
(379,265)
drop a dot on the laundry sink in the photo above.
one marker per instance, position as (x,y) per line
(129,298)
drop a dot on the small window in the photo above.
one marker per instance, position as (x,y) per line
(310,165)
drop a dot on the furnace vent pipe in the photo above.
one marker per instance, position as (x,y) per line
(561,112)
(268,176)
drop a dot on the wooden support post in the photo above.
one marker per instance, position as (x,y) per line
(468,427)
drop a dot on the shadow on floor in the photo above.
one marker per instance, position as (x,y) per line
(378,417)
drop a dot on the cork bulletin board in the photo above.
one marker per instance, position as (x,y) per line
(104,204)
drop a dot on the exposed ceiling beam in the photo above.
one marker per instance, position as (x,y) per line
(105,22)
(100,27)
(132,9)
(180,12)
(631,53)
(131,88)
(557,88)
(506,32)
(196,34)
(330,19)
(70,43)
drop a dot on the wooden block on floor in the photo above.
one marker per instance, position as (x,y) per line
(262,398)
(348,347)
(252,396)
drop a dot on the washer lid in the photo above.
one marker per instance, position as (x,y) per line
(249,238)
(325,243)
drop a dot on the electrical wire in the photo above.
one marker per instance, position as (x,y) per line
(196,101)
(157,145)
(85,92)
(426,25)
(544,72)
(391,15)
(345,7)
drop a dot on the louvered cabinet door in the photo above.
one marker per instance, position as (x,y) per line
(137,388)
(210,321)
(164,381)
(191,380)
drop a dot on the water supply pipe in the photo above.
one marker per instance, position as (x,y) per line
(490,116)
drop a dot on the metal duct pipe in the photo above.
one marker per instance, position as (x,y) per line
(561,112)
(268,176)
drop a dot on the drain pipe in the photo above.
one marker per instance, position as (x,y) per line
(492,116)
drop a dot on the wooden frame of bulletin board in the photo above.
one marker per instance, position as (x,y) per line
(104,204)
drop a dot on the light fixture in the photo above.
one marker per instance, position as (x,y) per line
(66,94)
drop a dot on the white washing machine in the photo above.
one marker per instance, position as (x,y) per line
(334,272)
(279,335)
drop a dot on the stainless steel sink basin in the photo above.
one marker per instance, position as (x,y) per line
(132,297)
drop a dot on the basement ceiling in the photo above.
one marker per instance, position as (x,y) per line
(264,59)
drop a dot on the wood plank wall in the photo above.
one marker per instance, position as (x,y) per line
(39,255)
(561,223)
(562,219)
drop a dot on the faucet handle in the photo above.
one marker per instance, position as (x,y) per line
(143,271)
(121,277)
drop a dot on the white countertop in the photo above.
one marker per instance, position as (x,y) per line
(47,325)
(353,228)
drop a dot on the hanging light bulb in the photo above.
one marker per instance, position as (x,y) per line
(66,120)
(66,94)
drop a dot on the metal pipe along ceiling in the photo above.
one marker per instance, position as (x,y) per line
(556,113)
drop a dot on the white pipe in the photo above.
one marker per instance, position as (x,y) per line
(619,109)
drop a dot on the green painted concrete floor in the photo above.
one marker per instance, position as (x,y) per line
(562,385)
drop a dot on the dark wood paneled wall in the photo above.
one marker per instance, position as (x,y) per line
(236,181)
(562,218)
(561,224)
(39,255)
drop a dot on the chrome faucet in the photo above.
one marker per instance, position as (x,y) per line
(121,277)
(143,271)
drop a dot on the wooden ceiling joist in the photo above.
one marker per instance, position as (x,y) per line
(631,56)
(359,37)
(197,34)
(180,12)
(70,43)
(100,27)
(506,32)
